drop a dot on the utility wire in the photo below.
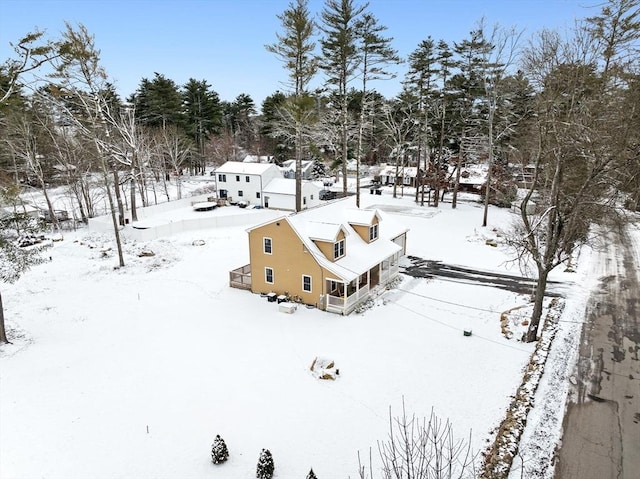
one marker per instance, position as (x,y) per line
(458,329)
(475,308)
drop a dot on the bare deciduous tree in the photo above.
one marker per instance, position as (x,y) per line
(399,127)
(581,127)
(421,448)
(86,96)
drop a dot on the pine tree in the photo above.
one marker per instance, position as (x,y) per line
(265,465)
(311,474)
(340,61)
(202,113)
(295,47)
(219,451)
(376,55)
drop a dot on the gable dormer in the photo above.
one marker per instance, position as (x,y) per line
(366,223)
(330,238)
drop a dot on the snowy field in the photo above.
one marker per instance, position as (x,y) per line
(131,373)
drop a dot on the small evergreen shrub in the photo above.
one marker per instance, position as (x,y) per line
(311,474)
(219,451)
(265,465)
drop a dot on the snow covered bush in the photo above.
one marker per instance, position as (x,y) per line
(265,465)
(219,451)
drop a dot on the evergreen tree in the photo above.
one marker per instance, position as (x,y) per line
(274,145)
(158,102)
(219,451)
(238,119)
(616,30)
(311,474)
(420,81)
(265,466)
(468,88)
(340,61)
(295,48)
(202,112)
(376,55)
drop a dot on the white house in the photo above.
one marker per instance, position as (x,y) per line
(257,159)
(403,175)
(289,169)
(262,184)
(280,193)
(239,181)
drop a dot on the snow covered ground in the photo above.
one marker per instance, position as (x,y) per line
(131,373)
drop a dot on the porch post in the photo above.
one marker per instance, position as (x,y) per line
(344,297)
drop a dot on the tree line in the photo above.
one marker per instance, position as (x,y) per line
(560,108)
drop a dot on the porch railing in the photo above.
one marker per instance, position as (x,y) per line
(338,304)
(387,273)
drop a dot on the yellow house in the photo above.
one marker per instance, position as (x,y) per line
(332,257)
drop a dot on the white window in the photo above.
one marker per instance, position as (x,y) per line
(247,179)
(373,232)
(306,283)
(222,178)
(240,193)
(268,275)
(338,249)
(237,177)
(258,195)
(267,245)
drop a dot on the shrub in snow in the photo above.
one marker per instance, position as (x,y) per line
(219,451)
(265,465)
(311,474)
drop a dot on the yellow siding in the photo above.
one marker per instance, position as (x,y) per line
(326,247)
(289,260)
(363,230)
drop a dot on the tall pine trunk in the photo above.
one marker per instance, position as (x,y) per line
(134,212)
(3,332)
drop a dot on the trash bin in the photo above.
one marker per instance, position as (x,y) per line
(271,297)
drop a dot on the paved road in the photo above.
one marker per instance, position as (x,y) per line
(602,424)
(422,268)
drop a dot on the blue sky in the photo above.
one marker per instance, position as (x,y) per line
(222,41)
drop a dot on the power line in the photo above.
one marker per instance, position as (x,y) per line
(475,308)
(458,329)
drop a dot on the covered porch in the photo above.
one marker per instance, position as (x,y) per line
(344,296)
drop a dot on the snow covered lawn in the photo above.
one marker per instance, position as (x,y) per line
(131,373)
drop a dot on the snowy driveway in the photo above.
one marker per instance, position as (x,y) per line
(422,268)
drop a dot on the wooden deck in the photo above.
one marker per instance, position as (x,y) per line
(240,277)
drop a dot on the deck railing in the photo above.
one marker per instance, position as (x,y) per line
(240,277)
